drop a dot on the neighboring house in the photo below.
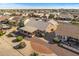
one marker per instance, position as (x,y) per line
(55,14)
(7,13)
(44,17)
(14,20)
(77,18)
(65,16)
(2,18)
(1,14)
(33,26)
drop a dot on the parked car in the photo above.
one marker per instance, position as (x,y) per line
(5,26)
(20,45)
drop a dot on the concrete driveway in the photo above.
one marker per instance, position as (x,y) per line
(7,49)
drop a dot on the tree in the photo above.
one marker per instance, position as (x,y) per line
(51,16)
(21,23)
(13,14)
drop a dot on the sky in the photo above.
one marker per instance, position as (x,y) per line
(39,5)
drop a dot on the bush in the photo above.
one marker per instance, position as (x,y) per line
(56,40)
(1,33)
(12,23)
(19,38)
(34,54)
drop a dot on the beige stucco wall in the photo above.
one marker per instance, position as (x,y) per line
(50,26)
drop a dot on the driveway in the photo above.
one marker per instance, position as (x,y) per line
(7,49)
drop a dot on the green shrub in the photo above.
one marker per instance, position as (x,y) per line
(19,38)
(56,40)
(1,33)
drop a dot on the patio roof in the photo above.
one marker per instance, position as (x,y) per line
(29,29)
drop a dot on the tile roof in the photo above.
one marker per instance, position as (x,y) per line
(29,29)
(4,17)
(41,25)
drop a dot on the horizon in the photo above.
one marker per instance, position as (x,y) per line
(39,5)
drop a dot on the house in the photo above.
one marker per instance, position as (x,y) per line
(1,14)
(65,16)
(14,20)
(2,18)
(7,13)
(44,17)
(33,26)
(77,18)
(55,14)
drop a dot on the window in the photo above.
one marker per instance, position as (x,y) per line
(51,29)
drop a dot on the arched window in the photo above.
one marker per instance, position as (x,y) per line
(51,29)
